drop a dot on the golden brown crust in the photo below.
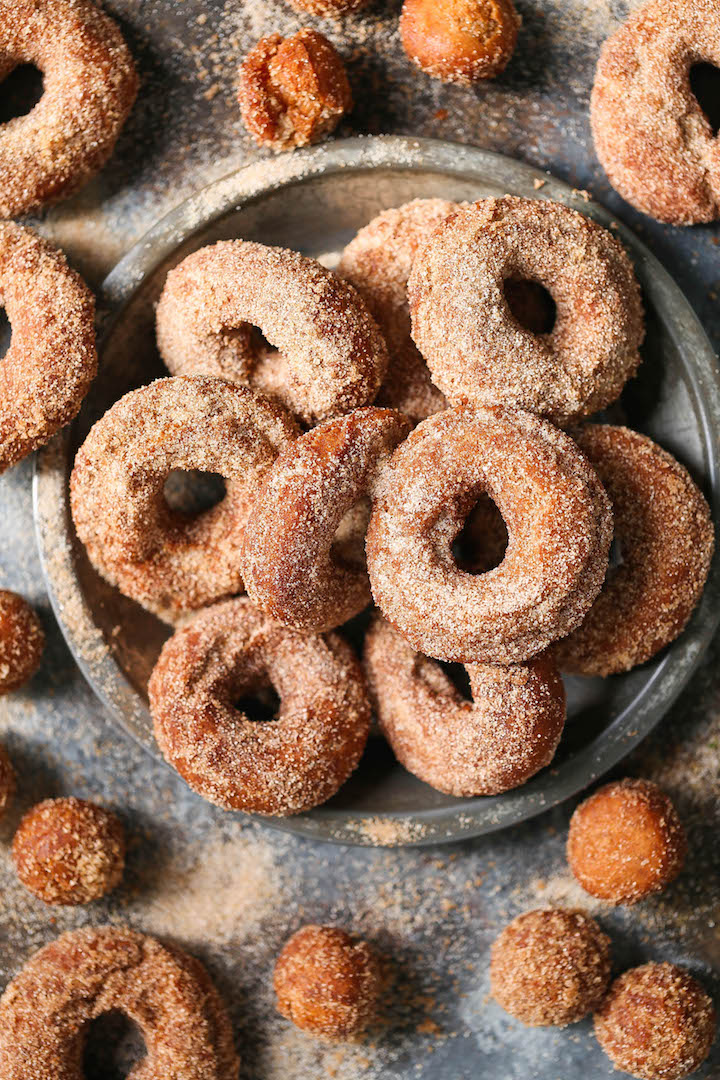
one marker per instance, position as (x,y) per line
(460,41)
(51,361)
(292,565)
(22,641)
(666,540)
(281,767)
(164,560)
(550,967)
(497,741)
(626,842)
(7,780)
(69,851)
(478,352)
(559,525)
(86,973)
(327,982)
(657,1023)
(651,135)
(89,86)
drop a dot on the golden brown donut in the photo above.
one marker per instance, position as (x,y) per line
(232,650)
(22,641)
(378,262)
(46,1009)
(333,353)
(51,361)
(459,41)
(89,86)
(651,135)
(7,780)
(497,741)
(292,565)
(559,525)
(168,562)
(477,350)
(666,540)
(626,842)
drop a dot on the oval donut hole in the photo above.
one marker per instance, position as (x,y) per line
(458,676)
(481,544)
(20,92)
(190,492)
(348,546)
(114,1045)
(261,707)
(531,304)
(705,86)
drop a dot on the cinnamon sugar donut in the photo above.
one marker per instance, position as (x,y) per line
(378,262)
(291,764)
(51,361)
(459,41)
(665,538)
(559,526)
(46,1010)
(89,86)
(333,354)
(22,641)
(498,740)
(651,135)
(291,565)
(478,352)
(167,561)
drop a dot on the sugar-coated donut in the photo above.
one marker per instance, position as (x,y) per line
(51,360)
(168,562)
(475,348)
(459,41)
(651,135)
(665,538)
(333,354)
(292,565)
(498,740)
(22,641)
(378,262)
(232,650)
(89,86)
(46,1009)
(559,526)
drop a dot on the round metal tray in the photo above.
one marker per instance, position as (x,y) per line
(314,201)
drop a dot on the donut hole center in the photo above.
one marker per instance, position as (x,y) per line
(22,88)
(262,706)
(531,305)
(191,492)
(481,544)
(114,1045)
(5,332)
(348,546)
(459,678)
(705,86)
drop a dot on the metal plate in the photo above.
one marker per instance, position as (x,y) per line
(314,201)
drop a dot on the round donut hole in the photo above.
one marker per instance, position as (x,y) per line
(193,492)
(348,546)
(262,707)
(530,304)
(20,92)
(114,1046)
(481,544)
(705,85)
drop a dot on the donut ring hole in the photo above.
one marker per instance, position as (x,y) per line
(531,304)
(21,90)
(260,707)
(458,676)
(347,550)
(5,331)
(482,541)
(704,79)
(114,1046)
(191,492)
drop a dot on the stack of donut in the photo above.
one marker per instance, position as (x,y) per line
(410,430)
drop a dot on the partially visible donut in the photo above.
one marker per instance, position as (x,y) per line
(166,561)
(507,732)
(230,651)
(334,356)
(46,1010)
(651,135)
(378,262)
(559,526)
(292,567)
(51,361)
(475,348)
(22,641)
(665,539)
(89,86)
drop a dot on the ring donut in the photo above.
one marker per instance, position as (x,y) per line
(378,262)
(164,560)
(46,1010)
(231,650)
(332,353)
(477,350)
(651,135)
(51,360)
(293,567)
(666,540)
(559,525)
(498,740)
(89,86)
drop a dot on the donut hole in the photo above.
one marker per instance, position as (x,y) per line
(531,305)
(260,707)
(348,546)
(5,332)
(705,86)
(481,544)
(192,492)
(114,1045)
(22,88)
(459,677)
